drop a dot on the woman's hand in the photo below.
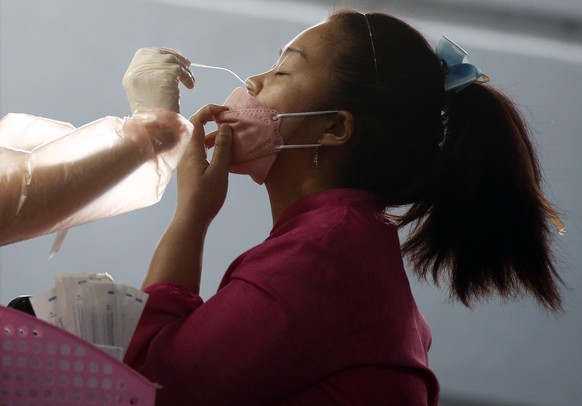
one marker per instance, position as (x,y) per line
(202,189)
(202,185)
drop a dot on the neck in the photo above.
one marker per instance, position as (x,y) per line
(295,176)
(283,194)
(282,197)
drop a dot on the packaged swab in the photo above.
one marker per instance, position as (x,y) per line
(94,308)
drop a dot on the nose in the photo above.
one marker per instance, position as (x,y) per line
(251,85)
(255,83)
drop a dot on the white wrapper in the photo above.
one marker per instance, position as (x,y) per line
(94,308)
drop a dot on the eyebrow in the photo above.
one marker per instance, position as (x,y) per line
(288,50)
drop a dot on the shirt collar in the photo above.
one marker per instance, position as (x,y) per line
(359,198)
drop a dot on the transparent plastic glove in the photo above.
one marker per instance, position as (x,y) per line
(19,135)
(74,176)
(153,77)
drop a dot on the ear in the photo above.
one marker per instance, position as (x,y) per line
(339,131)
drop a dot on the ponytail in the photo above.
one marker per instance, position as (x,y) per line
(485,224)
(479,219)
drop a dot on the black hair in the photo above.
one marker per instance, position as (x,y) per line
(477,214)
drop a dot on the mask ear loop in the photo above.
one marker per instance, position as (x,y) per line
(307,113)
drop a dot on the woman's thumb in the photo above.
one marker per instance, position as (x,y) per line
(222,147)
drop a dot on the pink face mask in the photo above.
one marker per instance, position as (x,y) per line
(256,137)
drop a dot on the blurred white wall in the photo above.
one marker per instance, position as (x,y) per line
(64,59)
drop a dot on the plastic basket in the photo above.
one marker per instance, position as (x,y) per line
(42,365)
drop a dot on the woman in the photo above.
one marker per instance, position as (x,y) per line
(321,312)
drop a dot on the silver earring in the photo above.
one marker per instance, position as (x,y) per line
(316,157)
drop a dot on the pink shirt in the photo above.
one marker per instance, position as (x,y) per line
(319,313)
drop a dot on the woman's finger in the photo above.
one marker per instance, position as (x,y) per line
(207,113)
(210,139)
(203,116)
(221,157)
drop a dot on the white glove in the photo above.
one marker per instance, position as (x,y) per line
(152,79)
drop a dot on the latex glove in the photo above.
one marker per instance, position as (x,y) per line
(152,79)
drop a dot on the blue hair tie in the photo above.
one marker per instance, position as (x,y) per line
(459,73)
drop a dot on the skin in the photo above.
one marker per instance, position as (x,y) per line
(296,83)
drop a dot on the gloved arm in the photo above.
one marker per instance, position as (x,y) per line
(153,77)
(104,168)
(53,177)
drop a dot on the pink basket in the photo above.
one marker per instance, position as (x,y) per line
(42,365)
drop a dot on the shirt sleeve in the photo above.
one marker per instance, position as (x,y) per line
(228,350)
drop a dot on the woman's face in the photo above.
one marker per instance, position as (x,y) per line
(299,80)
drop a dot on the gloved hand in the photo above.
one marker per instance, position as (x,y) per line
(152,79)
